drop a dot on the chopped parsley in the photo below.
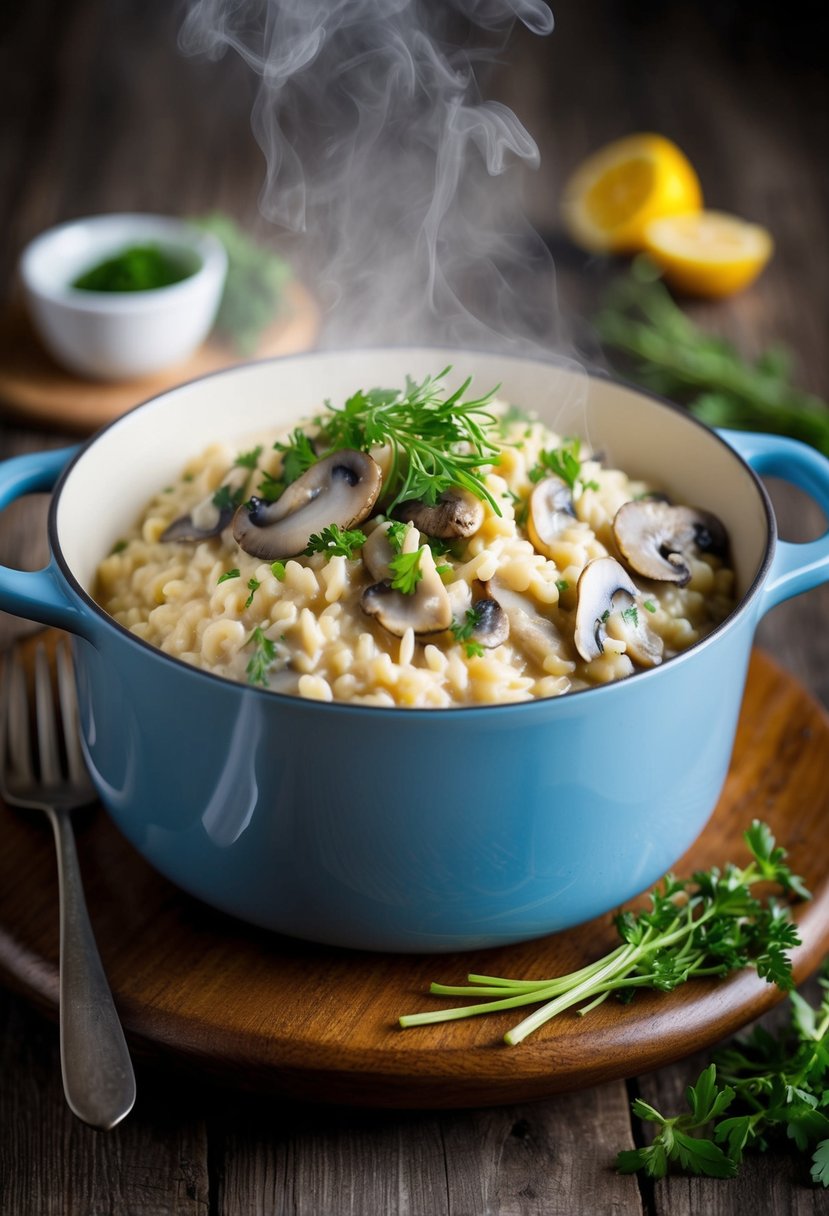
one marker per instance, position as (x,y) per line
(463,630)
(119,547)
(333,542)
(406,572)
(249,460)
(253,587)
(562,585)
(278,571)
(297,455)
(631,615)
(226,499)
(234,573)
(649,606)
(263,657)
(270,488)
(563,462)
(396,533)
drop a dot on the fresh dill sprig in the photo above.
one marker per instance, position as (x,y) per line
(665,351)
(707,925)
(437,440)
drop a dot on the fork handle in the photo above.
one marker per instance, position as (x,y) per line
(98,1078)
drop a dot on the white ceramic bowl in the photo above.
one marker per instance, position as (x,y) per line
(118,335)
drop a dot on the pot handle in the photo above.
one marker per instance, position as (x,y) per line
(795,567)
(38,595)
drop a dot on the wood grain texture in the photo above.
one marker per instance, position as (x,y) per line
(320,1024)
(34,388)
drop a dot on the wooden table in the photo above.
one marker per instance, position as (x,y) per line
(102,114)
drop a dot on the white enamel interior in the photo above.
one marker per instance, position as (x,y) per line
(147,448)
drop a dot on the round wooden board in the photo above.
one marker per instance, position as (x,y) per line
(319,1024)
(34,387)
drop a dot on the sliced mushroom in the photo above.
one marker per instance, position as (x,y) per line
(601,583)
(657,539)
(492,624)
(378,552)
(536,635)
(426,610)
(341,489)
(212,515)
(456,513)
(550,512)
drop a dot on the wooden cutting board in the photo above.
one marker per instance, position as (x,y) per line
(34,387)
(261,1011)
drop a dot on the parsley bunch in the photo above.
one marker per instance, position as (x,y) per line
(437,441)
(564,462)
(769,1085)
(707,925)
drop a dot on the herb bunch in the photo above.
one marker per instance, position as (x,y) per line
(769,1085)
(665,351)
(708,925)
(437,441)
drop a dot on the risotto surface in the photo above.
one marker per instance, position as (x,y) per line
(300,624)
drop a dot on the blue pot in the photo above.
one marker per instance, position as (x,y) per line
(407,830)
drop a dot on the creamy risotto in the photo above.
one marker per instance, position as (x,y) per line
(301,562)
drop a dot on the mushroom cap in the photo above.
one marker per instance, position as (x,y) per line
(457,512)
(206,519)
(426,610)
(550,512)
(341,489)
(536,635)
(600,582)
(657,539)
(492,626)
(378,552)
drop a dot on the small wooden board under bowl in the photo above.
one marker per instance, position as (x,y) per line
(320,1024)
(33,387)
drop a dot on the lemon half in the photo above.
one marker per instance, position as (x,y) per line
(708,253)
(613,195)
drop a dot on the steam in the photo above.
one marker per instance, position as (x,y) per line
(403,181)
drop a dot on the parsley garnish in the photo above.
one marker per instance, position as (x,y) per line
(406,572)
(707,925)
(396,534)
(278,571)
(253,587)
(769,1085)
(297,455)
(631,615)
(262,658)
(234,573)
(436,441)
(226,499)
(271,488)
(463,630)
(562,585)
(249,460)
(333,542)
(649,606)
(563,462)
(118,547)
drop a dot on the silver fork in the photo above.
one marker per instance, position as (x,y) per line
(98,1079)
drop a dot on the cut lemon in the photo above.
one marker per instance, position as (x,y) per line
(616,192)
(708,253)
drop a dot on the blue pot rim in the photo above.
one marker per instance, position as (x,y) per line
(344,707)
